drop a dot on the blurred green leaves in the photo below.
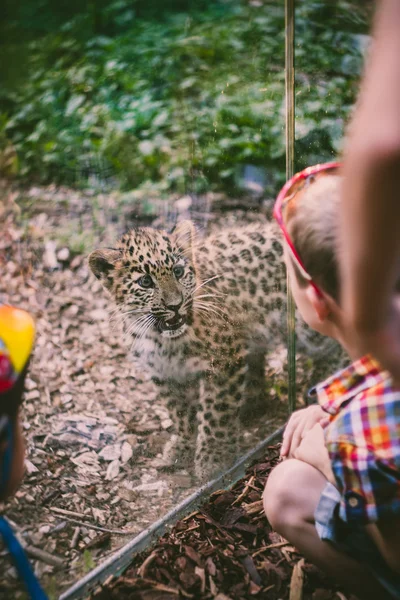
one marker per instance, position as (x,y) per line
(185,98)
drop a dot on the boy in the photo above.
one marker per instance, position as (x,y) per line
(336,497)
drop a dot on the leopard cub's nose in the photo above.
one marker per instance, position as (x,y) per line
(174,306)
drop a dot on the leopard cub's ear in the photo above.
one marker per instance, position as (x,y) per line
(184,234)
(102,263)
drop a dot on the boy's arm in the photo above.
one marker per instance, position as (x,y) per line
(370,215)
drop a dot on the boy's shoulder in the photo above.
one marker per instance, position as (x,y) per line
(362,382)
(364,406)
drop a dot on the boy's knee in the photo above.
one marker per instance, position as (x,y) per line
(279,494)
(291,494)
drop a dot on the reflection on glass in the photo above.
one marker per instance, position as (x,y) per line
(169,122)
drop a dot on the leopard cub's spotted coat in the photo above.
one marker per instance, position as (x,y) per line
(198,313)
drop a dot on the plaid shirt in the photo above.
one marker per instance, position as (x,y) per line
(363,440)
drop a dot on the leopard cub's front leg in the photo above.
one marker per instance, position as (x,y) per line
(220,432)
(182,401)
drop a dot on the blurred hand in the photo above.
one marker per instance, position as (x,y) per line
(299,424)
(313,451)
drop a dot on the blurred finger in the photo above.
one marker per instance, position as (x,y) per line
(325,422)
(296,440)
(287,435)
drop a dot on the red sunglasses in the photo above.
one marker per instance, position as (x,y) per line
(292,187)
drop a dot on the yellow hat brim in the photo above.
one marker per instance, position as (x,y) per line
(17,331)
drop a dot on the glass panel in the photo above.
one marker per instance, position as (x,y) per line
(159,366)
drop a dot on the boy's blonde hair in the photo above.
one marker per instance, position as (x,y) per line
(312,223)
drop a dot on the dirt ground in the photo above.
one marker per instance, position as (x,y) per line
(93,427)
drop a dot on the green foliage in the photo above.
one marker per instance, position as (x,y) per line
(331,44)
(88,562)
(182,98)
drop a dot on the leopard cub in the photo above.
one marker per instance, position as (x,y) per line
(196,314)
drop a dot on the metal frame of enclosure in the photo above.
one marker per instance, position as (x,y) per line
(120,560)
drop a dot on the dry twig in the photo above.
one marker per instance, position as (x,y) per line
(44,556)
(246,489)
(297,581)
(103,529)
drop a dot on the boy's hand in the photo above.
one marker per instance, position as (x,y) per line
(312,451)
(299,424)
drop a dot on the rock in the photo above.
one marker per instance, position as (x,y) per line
(66,398)
(127,495)
(11,267)
(30,384)
(102,496)
(88,461)
(30,467)
(99,515)
(76,262)
(113,470)
(49,256)
(63,255)
(126,452)
(72,311)
(111,452)
(32,395)
(167,423)
(144,428)
(158,488)
(44,529)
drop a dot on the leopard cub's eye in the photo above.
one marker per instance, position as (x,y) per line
(145,281)
(178,271)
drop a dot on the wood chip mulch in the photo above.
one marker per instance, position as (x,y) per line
(226,550)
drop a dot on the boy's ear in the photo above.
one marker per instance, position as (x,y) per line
(102,263)
(184,234)
(321,304)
